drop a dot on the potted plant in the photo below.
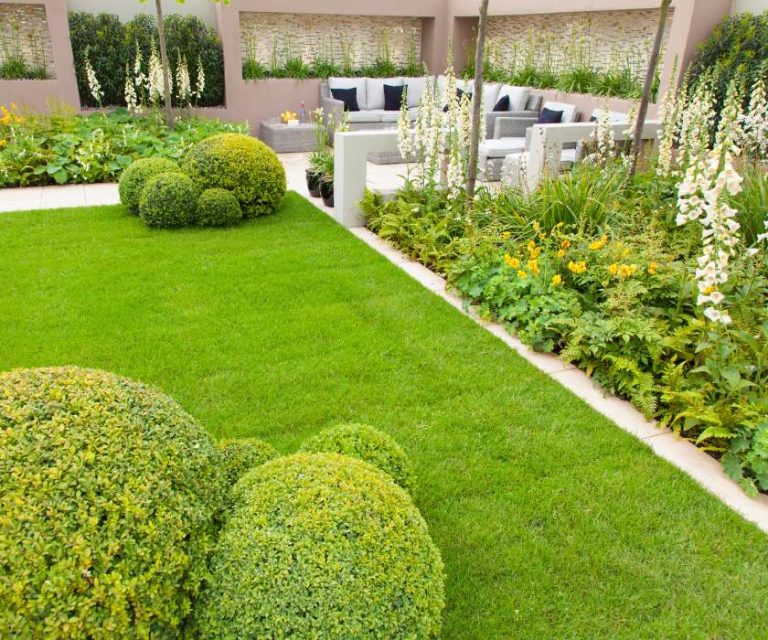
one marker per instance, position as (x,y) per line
(316,160)
(326,178)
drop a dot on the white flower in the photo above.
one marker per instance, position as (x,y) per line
(94,86)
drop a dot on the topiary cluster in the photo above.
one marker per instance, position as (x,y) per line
(323,546)
(109,499)
(135,178)
(225,178)
(169,200)
(240,164)
(369,445)
(242,455)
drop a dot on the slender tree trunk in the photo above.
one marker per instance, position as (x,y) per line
(477,103)
(650,77)
(166,64)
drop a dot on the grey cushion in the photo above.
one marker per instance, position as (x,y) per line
(364,116)
(374,91)
(415,90)
(352,83)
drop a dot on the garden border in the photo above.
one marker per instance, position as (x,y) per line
(705,470)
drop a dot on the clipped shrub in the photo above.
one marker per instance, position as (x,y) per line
(323,546)
(135,178)
(169,200)
(218,208)
(109,495)
(240,164)
(242,455)
(369,445)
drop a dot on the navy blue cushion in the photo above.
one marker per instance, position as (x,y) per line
(394,96)
(502,104)
(459,96)
(348,97)
(549,116)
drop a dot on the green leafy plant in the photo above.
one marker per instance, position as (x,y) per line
(135,178)
(169,200)
(218,208)
(294,518)
(240,164)
(243,454)
(102,481)
(369,445)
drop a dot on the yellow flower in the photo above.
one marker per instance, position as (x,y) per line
(557,280)
(577,267)
(599,244)
(613,269)
(506,235)
(625,253)
(522,275)
(565,244)
(543,236)
(561,253)
(709,290)
(652,268)
(511,262)
(287,116)
(536,227)
(535,253)
(627,270)
(533,266)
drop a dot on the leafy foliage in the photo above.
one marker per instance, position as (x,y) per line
(67,149)
(218,208)
(243,165)
(369,445)
(169,200)
(135,177)
(110,494)
(323,546)
(244,454)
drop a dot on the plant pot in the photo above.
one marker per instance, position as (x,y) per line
(326,191)
(313,183)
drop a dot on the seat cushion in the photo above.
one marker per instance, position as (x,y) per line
(351,83)
(364,116)
(382,115)
(394,96)
(413,113)
(518,96)
(501,148)
(374,91)
(415,89)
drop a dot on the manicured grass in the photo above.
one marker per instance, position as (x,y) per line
(552,522)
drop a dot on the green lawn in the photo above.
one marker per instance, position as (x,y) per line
(553,523)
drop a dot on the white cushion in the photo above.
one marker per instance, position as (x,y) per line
(374,91)
(351,83)
(415,90)
(364,117)
(413,113)
(570,112)
(384,116)
(467,86)
(501,148)
(518,96)
(490,96)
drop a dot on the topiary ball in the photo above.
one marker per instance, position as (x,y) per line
(109,497)
(323,546)
(242,455)
(169,200)
(240,164)
(135,177)
(369,445)
(218,208)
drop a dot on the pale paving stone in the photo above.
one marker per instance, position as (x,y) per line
(63,197)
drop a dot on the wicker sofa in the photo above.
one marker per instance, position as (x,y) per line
(370,96)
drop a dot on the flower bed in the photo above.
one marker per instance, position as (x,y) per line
(68,149)
(656,285)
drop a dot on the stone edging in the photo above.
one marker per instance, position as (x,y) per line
(705,470)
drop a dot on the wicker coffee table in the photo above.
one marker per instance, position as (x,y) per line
(286,139)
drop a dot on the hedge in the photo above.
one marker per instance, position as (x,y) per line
(109,497)
(243,454)
(135,178)
(169,200)
(323,546)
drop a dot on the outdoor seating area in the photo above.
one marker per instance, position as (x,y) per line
(429,320)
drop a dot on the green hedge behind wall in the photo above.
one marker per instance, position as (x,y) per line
(111,45)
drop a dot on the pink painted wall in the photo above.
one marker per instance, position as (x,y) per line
(39,95)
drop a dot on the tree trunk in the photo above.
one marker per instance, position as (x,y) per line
(652,65)
(477,103)
(166,65)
